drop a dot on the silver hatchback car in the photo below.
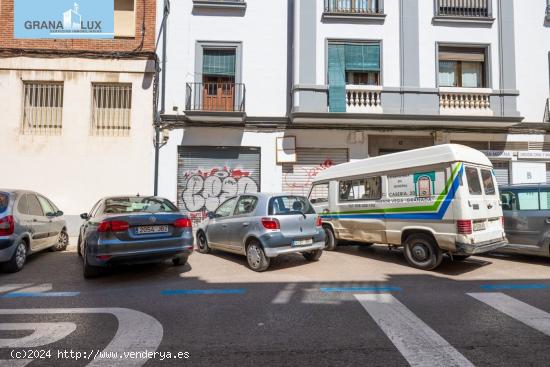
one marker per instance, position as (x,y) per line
(263,226)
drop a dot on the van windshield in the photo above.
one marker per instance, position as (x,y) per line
(288,205)
(473,181)
(488,183)
(4,199)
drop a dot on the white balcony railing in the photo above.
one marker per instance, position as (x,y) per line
(465,101)
(363,98)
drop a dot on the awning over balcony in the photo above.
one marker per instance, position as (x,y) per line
(219,62)
(348,57)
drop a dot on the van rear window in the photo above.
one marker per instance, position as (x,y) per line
(488,182)
(4,199)
(473,181)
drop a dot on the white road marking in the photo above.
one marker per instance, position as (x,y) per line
(44,333)
(417,342)
(137,332)
(12,287)
(521,311)
(15,362)
(46,287)
(284,296)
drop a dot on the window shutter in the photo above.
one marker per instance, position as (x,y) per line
(362,57)
(219,62)
(337,78)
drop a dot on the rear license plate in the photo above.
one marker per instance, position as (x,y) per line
(479,226)
(305,242)
(152,229)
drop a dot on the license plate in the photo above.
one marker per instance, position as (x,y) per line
(305,242)
(152,229)
(479,226)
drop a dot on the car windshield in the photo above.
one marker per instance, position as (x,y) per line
(124,205)
(4,199)
(288,205)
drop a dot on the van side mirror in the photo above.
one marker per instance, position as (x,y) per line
(211,215)
(84,216)
(59,213)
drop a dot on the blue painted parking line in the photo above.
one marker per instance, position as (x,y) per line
(514,286)
(360,289)
(177,292)
(40,294)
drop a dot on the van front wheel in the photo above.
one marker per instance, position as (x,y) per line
(422,252)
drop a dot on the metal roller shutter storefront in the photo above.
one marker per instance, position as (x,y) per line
(208,175)
(297,177)
(502,172)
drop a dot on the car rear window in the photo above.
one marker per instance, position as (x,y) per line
(122,205)
(473,181)
(4,200)
(289,205)
(488,182)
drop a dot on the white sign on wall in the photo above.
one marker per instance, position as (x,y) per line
(528,172)
(534,154)
(498,154)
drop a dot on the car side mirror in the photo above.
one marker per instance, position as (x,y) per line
(84,216)
(211,215)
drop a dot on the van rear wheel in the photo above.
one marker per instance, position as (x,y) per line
(330,239)
(422,252)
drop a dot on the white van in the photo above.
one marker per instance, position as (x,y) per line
(435,200)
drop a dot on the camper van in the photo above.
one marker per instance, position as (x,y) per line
(432,201)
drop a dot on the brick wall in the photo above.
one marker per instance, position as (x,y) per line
(118,44)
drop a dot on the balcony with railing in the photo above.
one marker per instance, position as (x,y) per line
(548,12)
(216,4)
(465,101)
(463,10)
(215,99)
(366,9)
(363,98)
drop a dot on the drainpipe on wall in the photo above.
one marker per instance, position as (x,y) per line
(158,123)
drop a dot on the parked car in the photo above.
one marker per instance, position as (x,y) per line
(431,201)
(526,211)
(29,222)
(133,229)
(263,226)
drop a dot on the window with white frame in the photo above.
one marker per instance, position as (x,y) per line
(462,67)
(111,108)
(42,107)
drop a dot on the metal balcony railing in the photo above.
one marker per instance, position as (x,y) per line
(463,8)
(548,12)
(215,97)
(356,7)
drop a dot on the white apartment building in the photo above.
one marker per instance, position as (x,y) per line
(264,95)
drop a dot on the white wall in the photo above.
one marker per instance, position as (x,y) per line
(532,58)
(263,33)
(75,169)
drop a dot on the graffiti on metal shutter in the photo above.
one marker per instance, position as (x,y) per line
(308,172)
(205,189)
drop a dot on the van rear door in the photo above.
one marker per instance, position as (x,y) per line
(483,206)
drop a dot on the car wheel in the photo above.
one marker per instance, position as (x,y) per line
(460,257)
(256,258)
(330,240)
(89,270)
(178,261)
(422,252)
(313,255)
(62,242)
(18,259)
(202,243)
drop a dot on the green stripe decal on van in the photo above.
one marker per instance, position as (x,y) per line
(446,195)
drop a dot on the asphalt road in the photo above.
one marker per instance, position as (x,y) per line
(356,306)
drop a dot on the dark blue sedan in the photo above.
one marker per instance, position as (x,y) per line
(133,229)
